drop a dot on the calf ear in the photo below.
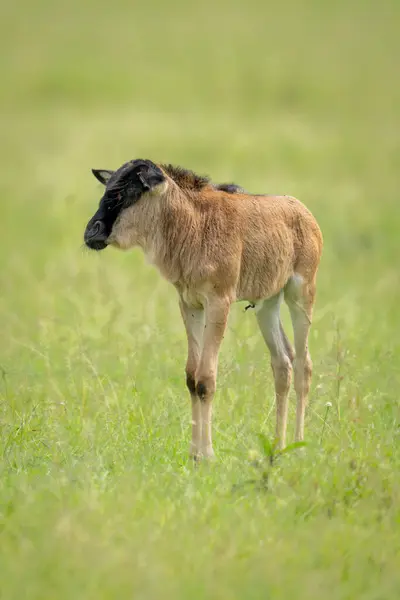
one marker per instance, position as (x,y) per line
(150,176)
(103,175)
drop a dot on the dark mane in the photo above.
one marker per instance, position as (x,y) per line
(187,180)
(230,188)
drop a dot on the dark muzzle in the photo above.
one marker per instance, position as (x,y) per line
(95,236)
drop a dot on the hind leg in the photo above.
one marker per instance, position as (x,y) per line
(299,296)
(287,344)
(268,318)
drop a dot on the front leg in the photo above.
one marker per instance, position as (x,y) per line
(217,311)
(193,319)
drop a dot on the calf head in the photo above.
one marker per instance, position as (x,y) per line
(123,189)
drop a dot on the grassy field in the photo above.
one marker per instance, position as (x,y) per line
(97,496)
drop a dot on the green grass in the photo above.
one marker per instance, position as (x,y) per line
(97,497)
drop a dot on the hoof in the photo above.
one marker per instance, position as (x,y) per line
(208,453)
(197,455)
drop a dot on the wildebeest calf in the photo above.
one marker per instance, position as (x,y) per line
(218,244)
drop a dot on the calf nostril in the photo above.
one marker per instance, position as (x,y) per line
(95,231)
(96,228)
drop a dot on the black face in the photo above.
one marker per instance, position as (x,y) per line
(124,188)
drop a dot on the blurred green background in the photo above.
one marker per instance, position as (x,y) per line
(97,498)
